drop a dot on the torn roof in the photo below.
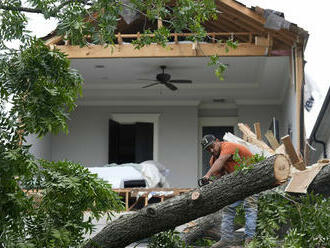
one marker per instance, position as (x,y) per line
(234,17)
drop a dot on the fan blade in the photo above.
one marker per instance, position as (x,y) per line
(170,86)
(181,81)
(149,85)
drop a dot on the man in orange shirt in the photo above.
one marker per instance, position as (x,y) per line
(222,163)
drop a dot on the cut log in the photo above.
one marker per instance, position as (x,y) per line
(199,228)
(182,209)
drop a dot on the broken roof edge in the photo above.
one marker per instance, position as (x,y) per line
(292,27)
(255,13)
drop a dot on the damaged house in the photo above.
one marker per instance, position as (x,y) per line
(156,103)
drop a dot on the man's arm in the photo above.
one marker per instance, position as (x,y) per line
(218,165)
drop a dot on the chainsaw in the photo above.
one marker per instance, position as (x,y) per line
(203,181)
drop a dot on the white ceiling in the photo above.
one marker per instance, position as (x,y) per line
(248,80)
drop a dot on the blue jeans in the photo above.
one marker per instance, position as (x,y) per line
(250,205)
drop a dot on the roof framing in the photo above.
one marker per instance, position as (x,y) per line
(154,50)
(234,19)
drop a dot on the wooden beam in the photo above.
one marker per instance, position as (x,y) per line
(299,84)
(227,28)
(230,19)
(159,23)
(246,12)
(295,160)
(154,50)
(120,39)
(258,26)
(257,130)
(252,138)
(272,140)
(53,40)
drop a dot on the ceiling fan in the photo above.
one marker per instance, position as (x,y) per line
(164,78)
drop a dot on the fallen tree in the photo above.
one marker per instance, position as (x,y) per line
(321,183)
(202,227)
(192,205)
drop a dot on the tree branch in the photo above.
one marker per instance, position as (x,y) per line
(21,9)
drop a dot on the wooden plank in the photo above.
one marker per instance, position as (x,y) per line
(299,82)
(119,38)
(246,13)
(146,199)
(286,140)
(272,140)
(244,10)
(154,50)
(53,40)
(159,23)
(296,162)
(126,200)
(252,138)
(258,26)
(257,130)
(176,38)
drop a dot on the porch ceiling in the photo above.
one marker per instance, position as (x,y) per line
(248,80)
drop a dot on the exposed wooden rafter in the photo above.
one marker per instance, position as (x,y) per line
(154,50)
(249,22)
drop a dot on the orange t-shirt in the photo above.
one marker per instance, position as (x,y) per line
(230,148)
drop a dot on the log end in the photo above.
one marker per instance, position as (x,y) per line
(195,195)
(281,168)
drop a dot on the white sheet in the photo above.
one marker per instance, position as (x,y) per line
(116,175)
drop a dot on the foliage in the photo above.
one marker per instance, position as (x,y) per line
(244,163)
(53,217)
(204,242)
(306,219)
(42,85)
(167,239)
(42,88)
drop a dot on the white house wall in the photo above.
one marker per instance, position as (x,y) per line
(41,147)
(178,146)
(250,114)
(87,141)
(288,114)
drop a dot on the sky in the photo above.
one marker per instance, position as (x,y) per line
(312,16)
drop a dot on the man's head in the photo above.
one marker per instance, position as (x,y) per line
(211,144)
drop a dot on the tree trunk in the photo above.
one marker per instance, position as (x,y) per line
(192,205)
(202,227)
(321,183)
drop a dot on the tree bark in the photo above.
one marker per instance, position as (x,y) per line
(202,227)
(321,183)
(192,205)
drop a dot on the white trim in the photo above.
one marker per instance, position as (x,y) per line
(215,122)
(258,102)
(133,118)
(197,85)
(138,103)
(217,105)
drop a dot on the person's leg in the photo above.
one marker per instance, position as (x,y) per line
(227,224)
(251,212)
